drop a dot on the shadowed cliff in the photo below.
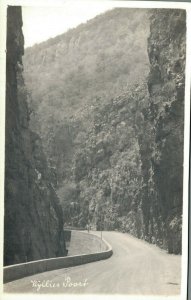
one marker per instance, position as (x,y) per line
(33,227)
(166,84)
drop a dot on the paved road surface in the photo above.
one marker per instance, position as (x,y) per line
(136,267)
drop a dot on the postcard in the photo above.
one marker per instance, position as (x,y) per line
(95,148)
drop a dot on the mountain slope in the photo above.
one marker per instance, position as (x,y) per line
(106,54)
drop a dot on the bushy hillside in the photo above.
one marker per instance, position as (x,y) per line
(105,181)
(99,58)
(106,99)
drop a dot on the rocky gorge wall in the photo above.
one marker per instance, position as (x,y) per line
(164,161)
(33,219)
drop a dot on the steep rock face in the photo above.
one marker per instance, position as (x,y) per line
(166,50)
(33,227)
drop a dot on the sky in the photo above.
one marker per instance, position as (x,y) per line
(42,23)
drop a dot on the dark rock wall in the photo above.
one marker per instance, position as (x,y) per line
(166,50)
(33,216)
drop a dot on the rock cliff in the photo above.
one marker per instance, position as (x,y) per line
(166,83)
(33,221)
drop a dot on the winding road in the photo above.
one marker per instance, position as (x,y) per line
(135,267)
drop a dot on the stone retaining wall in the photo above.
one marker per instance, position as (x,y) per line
(18,271)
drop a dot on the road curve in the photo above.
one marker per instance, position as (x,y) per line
(135,267)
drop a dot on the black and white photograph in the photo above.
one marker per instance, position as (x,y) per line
(96,150)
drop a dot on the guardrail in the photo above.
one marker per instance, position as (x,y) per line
(74,228)
(19,271)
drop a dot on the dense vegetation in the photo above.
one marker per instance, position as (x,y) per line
(97,59)
(109,131)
